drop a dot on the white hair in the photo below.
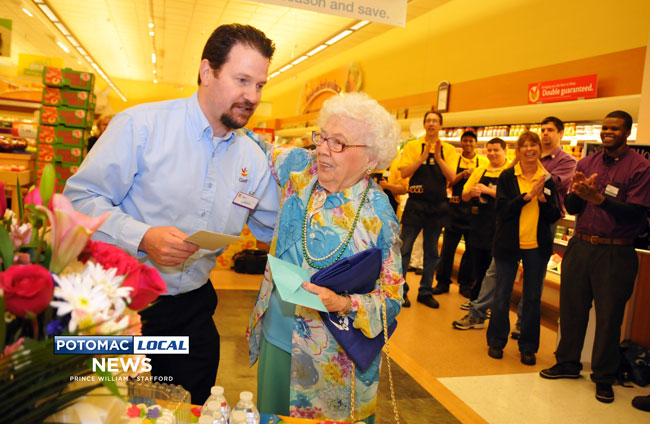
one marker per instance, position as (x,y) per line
(383,133)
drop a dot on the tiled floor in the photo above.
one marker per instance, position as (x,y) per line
(442,375)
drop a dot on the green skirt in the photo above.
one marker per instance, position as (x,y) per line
(273,381)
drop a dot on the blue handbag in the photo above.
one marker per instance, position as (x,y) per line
(356,274)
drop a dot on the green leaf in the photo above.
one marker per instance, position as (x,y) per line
(6,250)
(107,381)
(46,185)
(19,197)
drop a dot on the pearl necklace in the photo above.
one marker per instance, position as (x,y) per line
(344,243)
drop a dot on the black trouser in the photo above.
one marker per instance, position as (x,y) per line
(188,314)
(482,259)
(604,274)
(450,241)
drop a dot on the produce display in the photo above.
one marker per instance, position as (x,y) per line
(66,118)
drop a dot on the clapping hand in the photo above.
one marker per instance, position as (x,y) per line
(585,188)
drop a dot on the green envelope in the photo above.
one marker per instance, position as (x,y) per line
(288,279)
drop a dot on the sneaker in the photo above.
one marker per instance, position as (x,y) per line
(642,403)
(488,313)
(467,322)
(495,352)
(528,358)
(407,302)
(440,289)
(560,371)
(516,332)
(604,392)
(466,306)
(429,301)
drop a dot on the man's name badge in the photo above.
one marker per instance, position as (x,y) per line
(547,191)
(610,190)
(247,201)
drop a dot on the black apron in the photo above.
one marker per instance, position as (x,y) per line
(459,211)
(483,216)
(427,194)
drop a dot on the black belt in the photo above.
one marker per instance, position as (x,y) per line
(454,199)
(604,240)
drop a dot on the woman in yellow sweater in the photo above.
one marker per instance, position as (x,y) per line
(526,204)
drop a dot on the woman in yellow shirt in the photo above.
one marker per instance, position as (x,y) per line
(526,204)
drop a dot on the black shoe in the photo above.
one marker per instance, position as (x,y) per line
(528,358)
(419,271)
(465,292)
(429,301)
(495,352)
(604,392)
(516,332)
(439,289)
(411,269)
(642,403)
(560,371)
(407,302)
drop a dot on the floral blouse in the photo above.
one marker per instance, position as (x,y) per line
(320,369)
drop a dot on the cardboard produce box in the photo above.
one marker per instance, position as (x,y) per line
(68,155)
(69,117)
(66,77)
(77,99)
(44,154)
(60,134)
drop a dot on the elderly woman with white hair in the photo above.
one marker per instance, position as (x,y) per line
(329,210)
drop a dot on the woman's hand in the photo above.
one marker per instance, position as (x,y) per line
(332,301)
(537,189)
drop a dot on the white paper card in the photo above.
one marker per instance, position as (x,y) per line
(211,241)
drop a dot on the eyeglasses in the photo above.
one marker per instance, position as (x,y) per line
(334,144)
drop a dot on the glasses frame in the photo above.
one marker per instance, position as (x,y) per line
(317,135)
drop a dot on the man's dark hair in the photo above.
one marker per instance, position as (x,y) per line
(621,114)
(556,121)
(430,112)
(497,140)
(469,133)
(223,38)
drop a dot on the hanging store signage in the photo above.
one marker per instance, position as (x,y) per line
(391,12)
(5,37)
(583,87)
(31,65)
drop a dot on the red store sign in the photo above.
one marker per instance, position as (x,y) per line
(584,87)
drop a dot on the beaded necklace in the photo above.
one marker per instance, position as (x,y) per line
(342,246)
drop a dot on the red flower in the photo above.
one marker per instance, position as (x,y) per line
(27,288)
(109,256)
(146,282)
(150,286)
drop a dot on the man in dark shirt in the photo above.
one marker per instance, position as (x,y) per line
(610,196)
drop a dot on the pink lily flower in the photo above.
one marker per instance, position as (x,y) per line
(71,230)
(33,197)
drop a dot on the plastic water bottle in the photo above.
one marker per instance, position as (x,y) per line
(217,392)
(238,417)
(212,411)
(205,419)
(247,406)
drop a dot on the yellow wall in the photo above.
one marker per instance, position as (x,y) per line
(144,91)
(465,40)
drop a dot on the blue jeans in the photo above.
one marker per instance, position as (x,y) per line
(534,263)
(430,236)
(478,310)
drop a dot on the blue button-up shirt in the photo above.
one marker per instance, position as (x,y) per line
(159,164)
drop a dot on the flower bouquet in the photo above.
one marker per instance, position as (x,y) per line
(54,281)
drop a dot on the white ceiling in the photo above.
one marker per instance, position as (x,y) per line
(116,33)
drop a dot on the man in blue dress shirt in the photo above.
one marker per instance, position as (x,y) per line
(166,170)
